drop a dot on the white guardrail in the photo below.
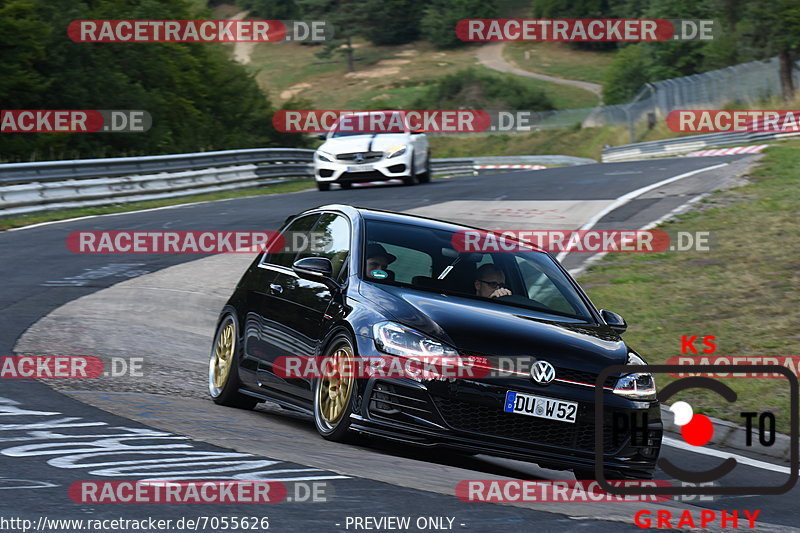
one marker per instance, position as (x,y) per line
(50,185)
(684,145)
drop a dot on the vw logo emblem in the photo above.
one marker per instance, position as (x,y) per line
(542,372)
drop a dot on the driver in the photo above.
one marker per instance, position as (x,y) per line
(378,259)
(490,282)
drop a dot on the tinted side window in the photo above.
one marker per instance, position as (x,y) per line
(409,263)
(293,232)
(330,238)
(542,289)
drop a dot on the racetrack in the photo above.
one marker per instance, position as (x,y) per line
(164,313)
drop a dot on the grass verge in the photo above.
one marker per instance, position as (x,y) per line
(385,76)
(560,60)
(744,291)
(583,142)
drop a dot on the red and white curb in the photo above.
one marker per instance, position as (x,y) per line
(527,167)
(754,149)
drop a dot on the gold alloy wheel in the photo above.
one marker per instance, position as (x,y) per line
(335,386)
(222,359)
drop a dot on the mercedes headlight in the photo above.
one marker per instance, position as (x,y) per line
(396,151)
(395,339)
(325,156)
(638,385)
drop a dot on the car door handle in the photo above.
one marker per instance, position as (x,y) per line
(274,288)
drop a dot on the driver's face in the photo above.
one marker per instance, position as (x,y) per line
(484,287)
(377,263)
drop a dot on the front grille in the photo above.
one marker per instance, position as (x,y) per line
(369,157)
(477,418)
(360,176)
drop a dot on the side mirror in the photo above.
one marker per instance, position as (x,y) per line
(614,321)
(322,136)
(319,269)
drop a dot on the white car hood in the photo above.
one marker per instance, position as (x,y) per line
(361,143)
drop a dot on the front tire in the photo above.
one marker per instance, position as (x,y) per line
(425,177)
(411,179)
(323,186)
(333,394)
(223,367)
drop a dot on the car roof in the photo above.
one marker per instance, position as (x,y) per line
(404,218)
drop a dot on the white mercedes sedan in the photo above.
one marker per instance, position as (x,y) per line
(372,146)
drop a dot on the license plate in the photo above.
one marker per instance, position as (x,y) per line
(530,405)
(360,168)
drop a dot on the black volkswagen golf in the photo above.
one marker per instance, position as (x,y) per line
(387,284)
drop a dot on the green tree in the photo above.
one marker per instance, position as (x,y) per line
(271,9)
(393,21)
(198,98)
(626,75)
(441,16)
(348,19)
(772,27)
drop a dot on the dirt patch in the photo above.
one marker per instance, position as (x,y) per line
(394,61)
(293,90)
(373,73)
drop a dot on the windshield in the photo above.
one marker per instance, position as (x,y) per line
(425,259)
(369,124)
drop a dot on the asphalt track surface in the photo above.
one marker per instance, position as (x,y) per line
(36,260)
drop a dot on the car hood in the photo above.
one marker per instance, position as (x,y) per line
(490,329)
(361,143)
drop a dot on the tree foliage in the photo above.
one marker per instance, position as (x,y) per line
(469,89)
(199,100)
(441,16)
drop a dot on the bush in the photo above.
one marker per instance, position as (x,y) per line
(469,89)
(625,76)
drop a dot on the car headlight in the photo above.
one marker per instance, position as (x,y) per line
(396,151)
(325,156)
(395,339)
(638,385)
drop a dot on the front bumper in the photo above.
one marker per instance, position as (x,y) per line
(467,415)
(342,171)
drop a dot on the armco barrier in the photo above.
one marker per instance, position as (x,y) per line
(127,166)
(34,187)
(684,145)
